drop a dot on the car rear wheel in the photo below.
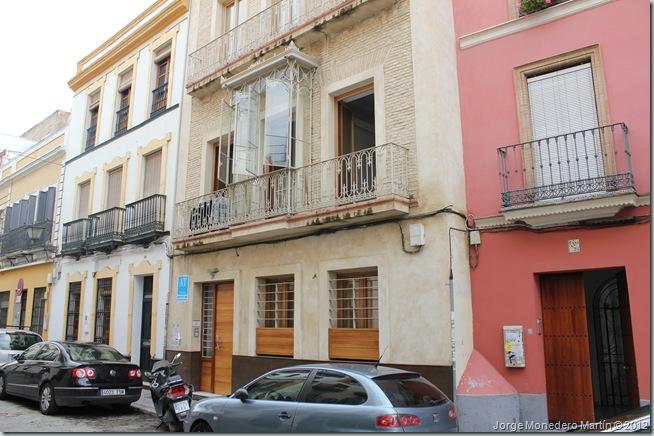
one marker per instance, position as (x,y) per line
(47,400)
(3,392)
(201,427)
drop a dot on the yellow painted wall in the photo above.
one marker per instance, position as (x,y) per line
(34,276)
(32,181)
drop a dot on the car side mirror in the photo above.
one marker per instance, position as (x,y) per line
(241,394)
(16,356)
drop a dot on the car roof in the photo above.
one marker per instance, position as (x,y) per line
(10,330)
(362,369)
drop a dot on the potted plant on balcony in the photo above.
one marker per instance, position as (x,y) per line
(527,7)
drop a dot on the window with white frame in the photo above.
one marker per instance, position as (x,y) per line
(123,101)
(354,299)
(152,174)
(275,302)
(92,118)
(160,82)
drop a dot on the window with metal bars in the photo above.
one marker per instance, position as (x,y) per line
(4,308)
(353,300)
(72,311)
(208,299)
(275,298)
(103,312)
(38,310)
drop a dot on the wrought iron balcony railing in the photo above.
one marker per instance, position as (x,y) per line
(145,219)
(159,96)
(106,229)
(591,161)
(74,237)
(90,136)
(26,238)
(121,120)
(255,33)
(354,177)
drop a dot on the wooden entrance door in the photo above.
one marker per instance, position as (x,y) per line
(567,354)
(223,340)
(217,338)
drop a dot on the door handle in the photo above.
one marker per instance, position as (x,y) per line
(284,416)
(217,343)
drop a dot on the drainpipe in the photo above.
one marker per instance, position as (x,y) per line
(453,323)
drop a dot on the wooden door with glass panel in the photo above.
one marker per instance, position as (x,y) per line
(217,337)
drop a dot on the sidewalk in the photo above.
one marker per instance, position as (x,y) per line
(144,404)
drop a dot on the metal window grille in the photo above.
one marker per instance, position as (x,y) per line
(275,302)
(38,310)
(72,311)
(208,298)
(103,312)
(353,300)
(4,308)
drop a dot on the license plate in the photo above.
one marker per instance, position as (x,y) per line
(181,406)
(111,392)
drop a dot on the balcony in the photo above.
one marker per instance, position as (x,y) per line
(106,230)
(73,241)
(283,20)
(90,137)
(145,219)
(587,170)
(122,115)
(357,187)
(26,239)
(159,99)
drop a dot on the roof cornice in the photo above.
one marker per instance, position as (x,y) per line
(156,25)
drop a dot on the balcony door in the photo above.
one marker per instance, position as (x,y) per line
(356,168)
(563,113)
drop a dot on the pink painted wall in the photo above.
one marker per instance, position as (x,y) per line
(505,290)
(505,285)
(474,15)
(488,103)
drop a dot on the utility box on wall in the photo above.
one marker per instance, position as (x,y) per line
(514,350)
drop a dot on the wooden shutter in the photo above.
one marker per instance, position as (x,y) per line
(114,182)
(152,176)
(563,102)
(567,351)
(83,200)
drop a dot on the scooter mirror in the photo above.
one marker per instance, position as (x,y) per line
(177,356)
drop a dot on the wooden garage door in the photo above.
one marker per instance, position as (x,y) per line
(567,355)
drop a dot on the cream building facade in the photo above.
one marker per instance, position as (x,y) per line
(111,283)
(322,176)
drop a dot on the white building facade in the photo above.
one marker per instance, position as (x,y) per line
(111,280)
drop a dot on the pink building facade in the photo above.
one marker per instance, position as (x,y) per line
(555,110)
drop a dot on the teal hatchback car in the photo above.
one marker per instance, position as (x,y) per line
(328,398)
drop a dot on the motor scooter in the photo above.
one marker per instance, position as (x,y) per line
(170,394)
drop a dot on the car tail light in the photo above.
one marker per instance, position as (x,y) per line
(134,373)
(178,392)
(79,373)
(452,413)
(401,420)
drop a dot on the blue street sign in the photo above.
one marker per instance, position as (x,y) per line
(182,288)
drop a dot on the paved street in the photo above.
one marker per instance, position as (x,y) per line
(24,416)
